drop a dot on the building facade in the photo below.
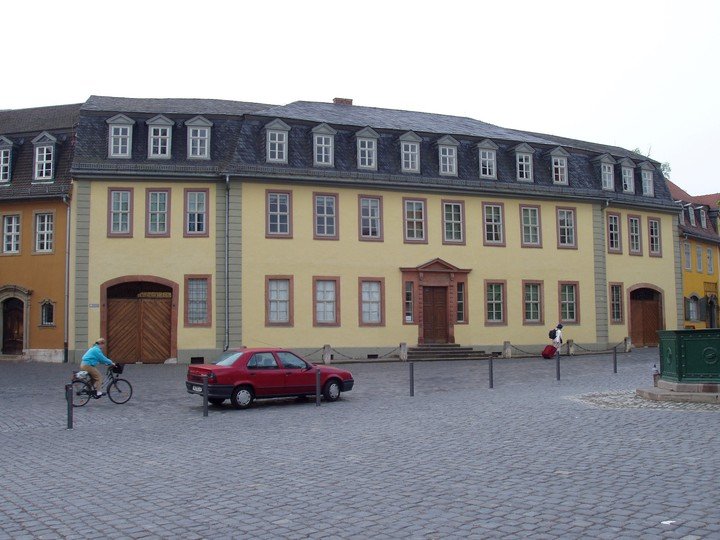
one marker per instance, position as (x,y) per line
(36,148)
(206,224)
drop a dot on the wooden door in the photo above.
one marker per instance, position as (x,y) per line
(645,318)
(12,327)
(139,329)
(435,322)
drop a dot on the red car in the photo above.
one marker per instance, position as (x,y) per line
(244,375)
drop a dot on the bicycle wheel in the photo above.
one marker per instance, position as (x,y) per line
(120,391)
(81,393)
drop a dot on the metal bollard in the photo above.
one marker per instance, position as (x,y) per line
(490,373)
(69,398)
(205,395)
(411,366)
(317,388)
(615,359)
(557,365)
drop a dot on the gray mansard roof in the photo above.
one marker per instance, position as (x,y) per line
(238,148)
(18,129)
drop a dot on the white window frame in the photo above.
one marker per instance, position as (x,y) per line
(647,184)
(488,163)
(323,150)
(560,170)
(614,233)
(47,313)
(370,218)
(409,302)
(687,250)
(325,210)
(11,234)
(279,200)
(691,215)
(121,208)
(367,153)
(160,137)
(158,212)
(196,212)
(44,232)
(524,166)
(494,302)
(654,236)
(279,302)
(277,146)
(493,225)
(120,141)
(414,227)
(410,157)
(710,261)
(634,235)
(693,305)
(569,303)
(530,226)
(607,172)
(699,256)
(44,162)
(447,158)
(703,218)
(371,302)
(565,229)
(532,302)
(326,313)
(197,301)
(5,169)
(628,180)
(199,136)
(453,222)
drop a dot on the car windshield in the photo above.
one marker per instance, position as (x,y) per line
(227,359)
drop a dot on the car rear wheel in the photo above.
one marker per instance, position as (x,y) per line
(331,391)
(242,397)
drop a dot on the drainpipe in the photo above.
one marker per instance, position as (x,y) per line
(227,263)
(67,281)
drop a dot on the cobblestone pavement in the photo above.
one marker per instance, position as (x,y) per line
(531,458)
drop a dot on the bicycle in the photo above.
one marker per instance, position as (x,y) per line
(118,390)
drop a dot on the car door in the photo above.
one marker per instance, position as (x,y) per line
(299,375)
(265,375)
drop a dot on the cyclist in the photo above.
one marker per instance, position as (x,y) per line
(92,358)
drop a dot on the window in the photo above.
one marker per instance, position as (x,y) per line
(4,164)
(493,221)
(47,313)
(197,301)
(692,308)
(158,212)
(409,302)
(198,138)
(688,255)
(613,233)
(324,145)
(530,226)
(277,144)
(370,215)
(264,360)
(691,215)
(682,216)
(569,309)
(703,218)
(532,302)
(410,152)
(559,166)
(326,299)
(196,212)
(11,234)
(289,360)
(372,302)
(487,157)
(634,235)
(279,216)
(616,303)
(654,233)
(628,180)
(608,176)
(326,225)
(710,262)
(453,222)
(44,162)
(44,230)
(120,136)
(367,143)
(647,184)
(120,212)
(279,305)
(699,256)
(460,302)
(495,302)
(524,167)
(159,137)
(415,220)
(566,228)
(447,156)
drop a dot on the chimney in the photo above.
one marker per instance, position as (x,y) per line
(342,101)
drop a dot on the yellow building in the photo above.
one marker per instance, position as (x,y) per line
(700,242)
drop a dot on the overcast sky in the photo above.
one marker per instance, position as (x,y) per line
(636,74)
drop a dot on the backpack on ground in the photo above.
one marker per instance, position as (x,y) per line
(552,333)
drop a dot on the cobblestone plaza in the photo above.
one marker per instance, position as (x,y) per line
(533,457)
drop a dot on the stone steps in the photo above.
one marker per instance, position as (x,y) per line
(442,352)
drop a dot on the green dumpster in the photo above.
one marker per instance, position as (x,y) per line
(690,356)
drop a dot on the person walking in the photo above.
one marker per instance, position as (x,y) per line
(557,340)
(92,358)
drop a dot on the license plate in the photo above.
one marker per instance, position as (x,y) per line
(197,388)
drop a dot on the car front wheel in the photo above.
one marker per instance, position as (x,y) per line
(331,391)
(242,397)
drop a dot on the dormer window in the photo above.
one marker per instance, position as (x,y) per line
(367,149)
(159,137)
(5,159)
(198,138)
(607,171)
(447,156)
(559,158)
(703,218)
(691,215)
(524,162)
(682,216)
(487,157)
(647,176)
(120,136)
(410,152)
(276,142)
(324,146)
(627,168)
(44,166)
